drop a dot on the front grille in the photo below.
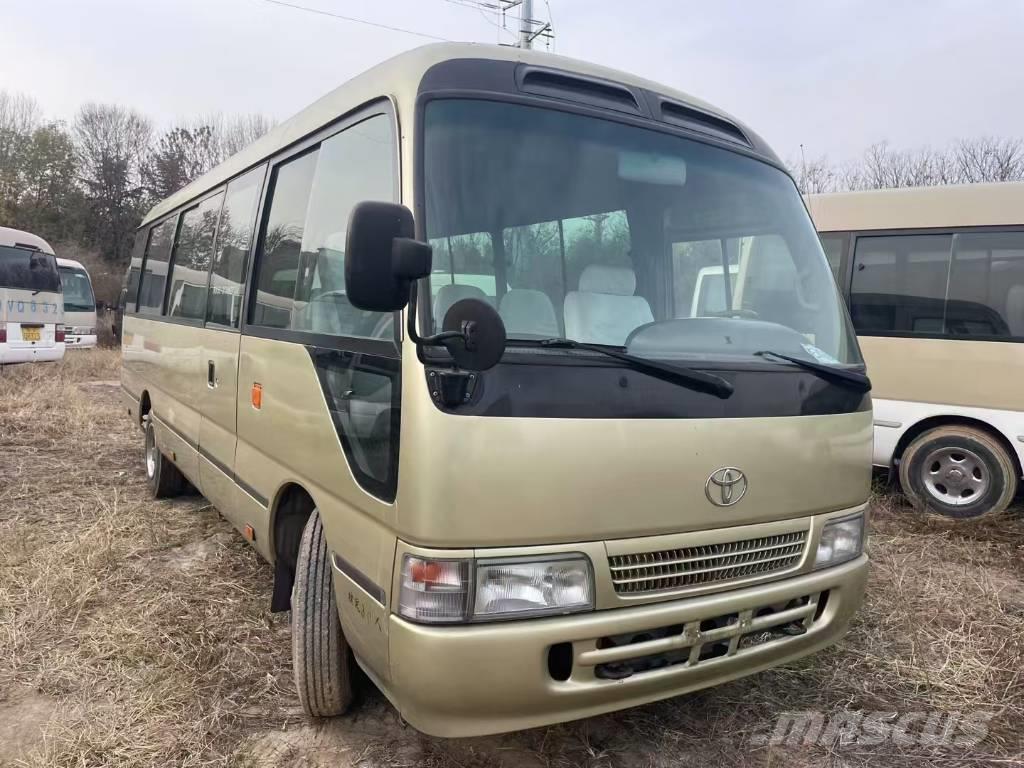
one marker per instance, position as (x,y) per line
(708,564)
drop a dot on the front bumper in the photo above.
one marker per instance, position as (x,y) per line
(480,679)
(80,341)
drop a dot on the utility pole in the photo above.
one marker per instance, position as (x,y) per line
(526,24)
(529,28)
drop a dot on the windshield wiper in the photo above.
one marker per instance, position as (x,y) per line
(702,382)
(852,379)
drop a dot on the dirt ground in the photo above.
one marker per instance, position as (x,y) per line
(137,633)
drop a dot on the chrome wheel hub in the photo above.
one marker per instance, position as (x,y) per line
(955,476)
(150,455)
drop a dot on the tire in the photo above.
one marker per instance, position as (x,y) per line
(320,653)
(165,479)
(958,472)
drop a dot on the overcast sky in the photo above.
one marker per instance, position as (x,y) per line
(835,75)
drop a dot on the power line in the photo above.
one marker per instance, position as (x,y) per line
(354,20)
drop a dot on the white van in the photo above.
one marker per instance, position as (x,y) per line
(31,301)
(79,304)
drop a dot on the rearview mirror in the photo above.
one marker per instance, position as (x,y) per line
(381,258)
(476,334)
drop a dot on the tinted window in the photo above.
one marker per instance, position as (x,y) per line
(282,242)
(986,285)
(899,283)
(28,270)
(234,235)
(834,247)
(154,273)
(302,280)
(77,290)
(191,264)
(131,284)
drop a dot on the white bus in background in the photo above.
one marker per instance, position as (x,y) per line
(934,278)
(31,305)
(79,304)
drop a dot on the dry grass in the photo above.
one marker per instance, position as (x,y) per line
(136,633)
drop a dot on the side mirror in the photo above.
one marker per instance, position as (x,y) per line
(475,334)
(381,258)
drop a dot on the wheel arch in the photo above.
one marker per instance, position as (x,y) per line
(145,406)
(922,426)
(290,510)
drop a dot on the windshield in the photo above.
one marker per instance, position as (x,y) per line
(581,228)
(77,290)
(28,270)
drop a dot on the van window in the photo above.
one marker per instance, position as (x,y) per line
(28,270)
(191,263)
(352,166)
(77,290)
(154,270)
(234,235)
(282,240)
(302,264)
(899,284)
(986,285)
(834,245)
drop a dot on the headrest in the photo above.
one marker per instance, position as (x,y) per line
(449,293)
(598,278)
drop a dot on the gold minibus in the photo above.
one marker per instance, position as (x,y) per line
(446,374)
(934,278)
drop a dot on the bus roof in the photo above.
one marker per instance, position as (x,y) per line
(62,262)
(399,79)
(960,205)
(19,238)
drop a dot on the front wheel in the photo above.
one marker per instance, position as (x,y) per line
(165,479)
(958,472)
(320,655)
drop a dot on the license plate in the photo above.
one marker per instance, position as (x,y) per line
(30,334)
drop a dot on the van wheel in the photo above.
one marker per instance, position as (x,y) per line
(958,472)
(320,655)
(165,479)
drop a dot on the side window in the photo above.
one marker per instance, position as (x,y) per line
(234,236)
(986,285)
(834,245)
(154,268)
(354,165)
(282,240)
(899,283)
(190,266)
(131,284)
(301,281)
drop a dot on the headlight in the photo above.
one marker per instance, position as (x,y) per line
(841,540)
(448,591)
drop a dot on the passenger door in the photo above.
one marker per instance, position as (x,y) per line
(220,344)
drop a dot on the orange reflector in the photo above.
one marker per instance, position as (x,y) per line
(250,533)
(257,396)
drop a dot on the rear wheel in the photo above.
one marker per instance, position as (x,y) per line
(320,654)
(165,479)
(958,472)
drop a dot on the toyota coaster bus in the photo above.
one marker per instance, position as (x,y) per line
(79,304)
(429,345)
(31,306)
(934,278)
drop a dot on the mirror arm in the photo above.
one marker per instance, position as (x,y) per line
(437,338)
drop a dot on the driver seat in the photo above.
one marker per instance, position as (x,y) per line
(604,309)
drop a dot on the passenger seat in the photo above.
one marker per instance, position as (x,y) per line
(604,309)
(449,293)
(528,313)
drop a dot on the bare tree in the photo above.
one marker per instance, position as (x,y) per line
(112,143)
(20,115)
(989,159)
